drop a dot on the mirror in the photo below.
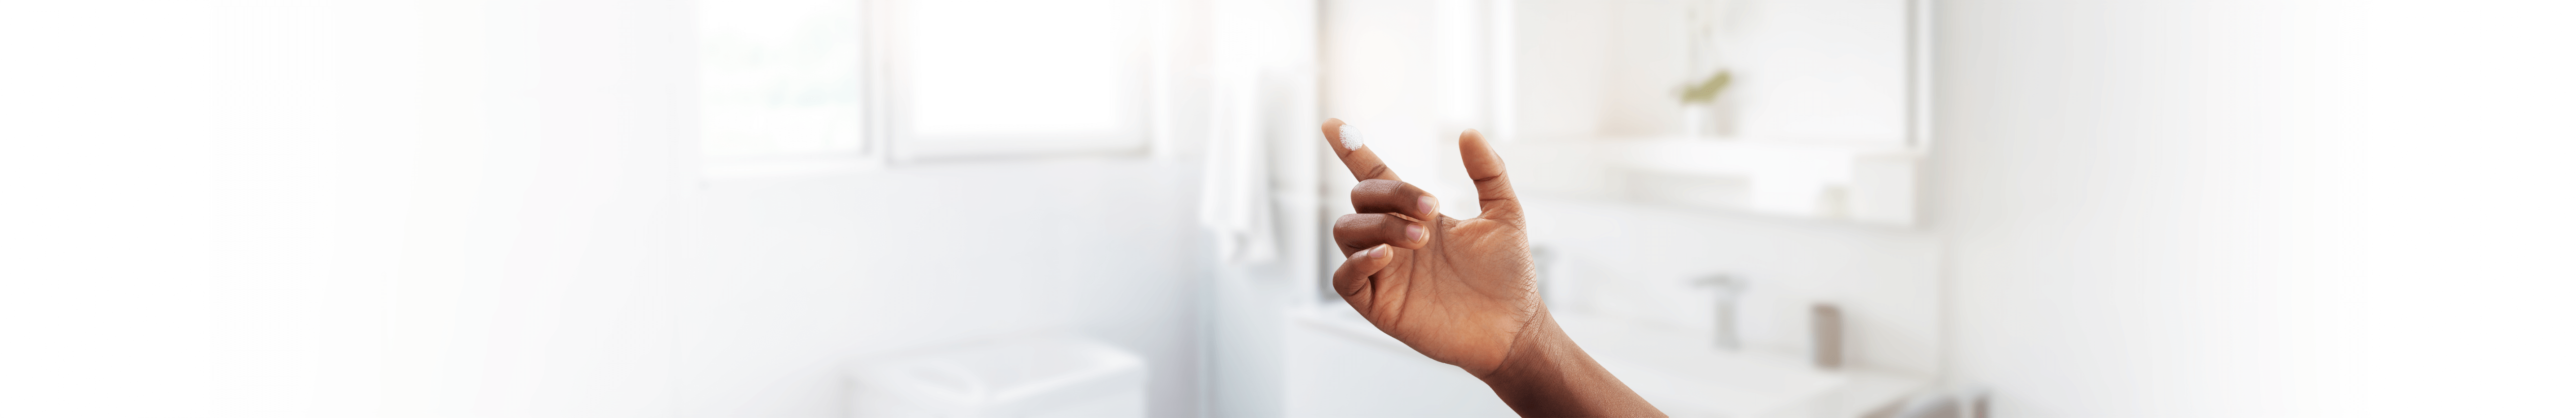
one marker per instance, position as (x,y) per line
(1806,109)
(1793,108)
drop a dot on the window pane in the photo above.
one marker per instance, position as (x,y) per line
(778,77)
(1023,69)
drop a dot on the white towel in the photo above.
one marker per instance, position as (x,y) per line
(1234,196)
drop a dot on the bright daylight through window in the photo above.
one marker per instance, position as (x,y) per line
(789,83)
(779,79)
(1020,76)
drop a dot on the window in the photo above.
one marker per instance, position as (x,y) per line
(799,84)
(779,81)
(1019,76)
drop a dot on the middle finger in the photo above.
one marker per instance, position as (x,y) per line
(1390,196)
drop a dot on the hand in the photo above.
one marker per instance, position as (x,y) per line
(1464,291)
(1457,290)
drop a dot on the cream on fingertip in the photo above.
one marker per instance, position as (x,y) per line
(1350,138)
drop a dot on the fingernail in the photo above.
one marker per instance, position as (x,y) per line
(1351,138)
(1413,232)
(1381,251)
(1430,206)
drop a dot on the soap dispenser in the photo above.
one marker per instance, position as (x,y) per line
(1729,290)
(1825,323)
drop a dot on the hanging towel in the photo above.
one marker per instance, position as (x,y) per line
(1234,196)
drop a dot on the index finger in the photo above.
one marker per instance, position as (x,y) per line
(1347,143)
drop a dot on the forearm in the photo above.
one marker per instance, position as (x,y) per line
(1547,375)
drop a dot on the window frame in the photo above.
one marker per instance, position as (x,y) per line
(886,139)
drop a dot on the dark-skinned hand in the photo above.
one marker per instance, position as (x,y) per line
(1463,291)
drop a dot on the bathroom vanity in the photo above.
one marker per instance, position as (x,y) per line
(1627,281)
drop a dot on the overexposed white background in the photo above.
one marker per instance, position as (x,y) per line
(274,209)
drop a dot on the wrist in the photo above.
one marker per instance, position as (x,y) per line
(1545,374)
(1540,349)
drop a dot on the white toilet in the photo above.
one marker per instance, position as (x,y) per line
(1047,376)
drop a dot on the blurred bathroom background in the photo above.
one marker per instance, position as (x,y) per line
(859,208)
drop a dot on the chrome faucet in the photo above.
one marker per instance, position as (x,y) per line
(1729,289)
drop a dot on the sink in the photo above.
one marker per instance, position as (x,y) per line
(1683,374)
(1687,376)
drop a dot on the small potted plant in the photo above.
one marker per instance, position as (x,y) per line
(1701,116)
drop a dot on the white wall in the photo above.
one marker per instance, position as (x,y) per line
(2162,209)
(492,209)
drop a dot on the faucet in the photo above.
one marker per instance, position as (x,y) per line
(1729,288)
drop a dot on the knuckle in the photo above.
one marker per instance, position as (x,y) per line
(1356,221)
(1357,227)
(1393,229)
(1376,187)
(1374,172)
(1382,196)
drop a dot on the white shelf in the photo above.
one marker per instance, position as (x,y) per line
(1859,183)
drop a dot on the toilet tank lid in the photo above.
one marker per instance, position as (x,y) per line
(1005,369)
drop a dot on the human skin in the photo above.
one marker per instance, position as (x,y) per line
(1465,291)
